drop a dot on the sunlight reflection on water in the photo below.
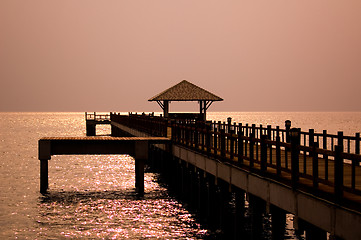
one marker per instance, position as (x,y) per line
(94,196)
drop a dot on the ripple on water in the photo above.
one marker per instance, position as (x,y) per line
(115,214)
(97,199)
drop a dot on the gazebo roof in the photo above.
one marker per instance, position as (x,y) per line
(185,91)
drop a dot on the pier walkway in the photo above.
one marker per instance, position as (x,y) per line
(134,146)
(316,177)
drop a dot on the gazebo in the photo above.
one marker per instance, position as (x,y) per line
(185,91)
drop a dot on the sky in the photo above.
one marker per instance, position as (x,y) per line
(113,55)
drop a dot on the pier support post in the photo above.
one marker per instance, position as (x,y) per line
(298,225)
(278,223)
(239,213)
(90,128)
(139,176)
(226,218)
(113,131)
(141,154)
(218,207)
(44,182)
(203,200)
(212,202)
(315,233)
(207,199)
(257,207)
(44,154)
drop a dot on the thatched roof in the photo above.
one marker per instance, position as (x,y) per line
(185,91)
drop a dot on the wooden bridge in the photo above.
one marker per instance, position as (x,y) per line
(316,176)
(286,154)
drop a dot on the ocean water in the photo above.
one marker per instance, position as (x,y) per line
(93,197)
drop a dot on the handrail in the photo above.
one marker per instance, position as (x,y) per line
(302,161)
(97,117)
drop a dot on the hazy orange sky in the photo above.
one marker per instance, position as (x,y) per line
(113,55)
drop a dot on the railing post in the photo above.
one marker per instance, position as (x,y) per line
(251,149)
(269,137)
(229,122)
(203,135)
(223,144)
(215,141)
(245,133)
(311,137)
(263,153)
(357,143)
(186,128)
(340,139)
(254,130)
(269,132)
(169,127)
(219,125)
(240,144)
(196,136)
(260,131)
(355,162)
(191,135)
(231,147)
(295,142)
(315,165)
(357,146)
(172,129)
(278,152)
(179,133)
(338,173)
(288,127)
(208,138)
(324,143)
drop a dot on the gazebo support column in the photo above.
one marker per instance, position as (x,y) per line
(202,109)
(166,108)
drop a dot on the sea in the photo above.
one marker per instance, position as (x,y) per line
(93,196)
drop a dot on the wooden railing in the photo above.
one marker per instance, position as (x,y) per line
(324,164)
(154,125)
(97,117)
(351,144)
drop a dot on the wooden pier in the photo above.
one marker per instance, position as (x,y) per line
(303,156)
(315,176)
(305,173)
(134,146)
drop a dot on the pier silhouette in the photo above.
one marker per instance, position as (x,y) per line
(315,176)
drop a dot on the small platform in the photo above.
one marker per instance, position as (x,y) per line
(93,119)
(134,146)
(97,118)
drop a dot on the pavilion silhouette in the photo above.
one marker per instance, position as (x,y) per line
(186,91)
